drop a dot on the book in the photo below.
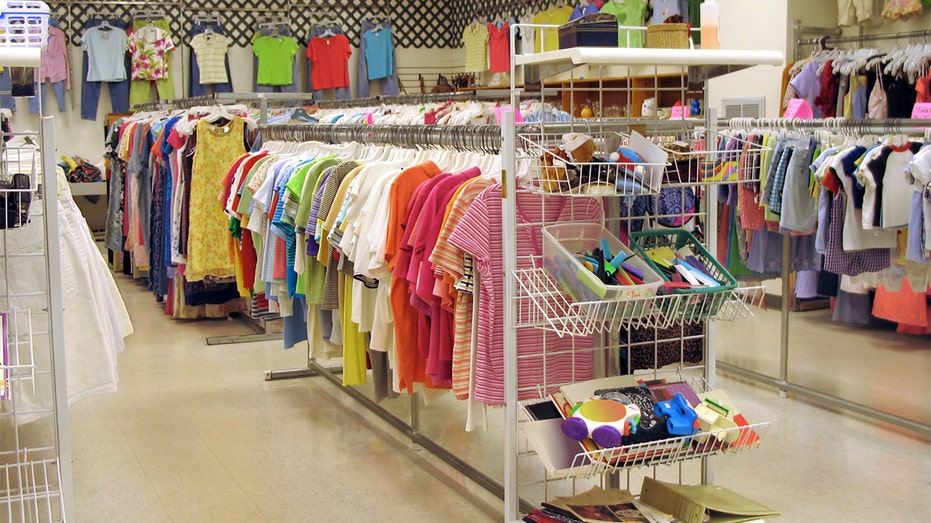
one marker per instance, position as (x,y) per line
(599,504)
(702,503)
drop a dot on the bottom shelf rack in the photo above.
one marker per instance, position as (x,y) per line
(30,490)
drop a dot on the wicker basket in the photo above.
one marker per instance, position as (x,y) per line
(668,36)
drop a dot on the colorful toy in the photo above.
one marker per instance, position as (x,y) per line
(681,416)
(605,421)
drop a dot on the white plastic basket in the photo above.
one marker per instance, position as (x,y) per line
(24,23)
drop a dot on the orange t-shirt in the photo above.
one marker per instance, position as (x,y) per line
(411,365)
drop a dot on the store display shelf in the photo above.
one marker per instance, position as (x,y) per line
(542,303)
(30,490)
(702,63)
(667,451)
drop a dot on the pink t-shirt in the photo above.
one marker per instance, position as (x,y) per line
(480,234)
(499,48)
(439,345)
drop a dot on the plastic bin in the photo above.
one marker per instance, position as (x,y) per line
(24,23)
(562,245)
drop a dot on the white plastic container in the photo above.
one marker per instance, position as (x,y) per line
(561,246)
(24,23)
(709,11)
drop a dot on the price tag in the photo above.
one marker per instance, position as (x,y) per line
(678,113)
(799,109)
(921,111)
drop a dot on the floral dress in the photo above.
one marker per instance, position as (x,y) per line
(208,252)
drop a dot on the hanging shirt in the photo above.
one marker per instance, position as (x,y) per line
(276,59)
(150,46)
(379,53)
(329,61)
(475,39)
(210,50)
(663,9)
(554,16)
(584,10)
(55,58)
(629,13)
(106,49)
(499,48)
(480,233)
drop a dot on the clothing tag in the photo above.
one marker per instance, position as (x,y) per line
(921,111)
(799,109)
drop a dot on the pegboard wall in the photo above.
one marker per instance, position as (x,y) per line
(417,23)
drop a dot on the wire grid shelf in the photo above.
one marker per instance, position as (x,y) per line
(592,463)
(668,451)
(702,157)
(30,490)
(542,303)
(554,172)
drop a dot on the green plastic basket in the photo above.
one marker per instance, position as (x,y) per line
(703,301)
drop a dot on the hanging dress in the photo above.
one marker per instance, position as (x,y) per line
(208,251)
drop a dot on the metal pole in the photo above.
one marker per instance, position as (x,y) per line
(784,311)
(56,308)
(509,217)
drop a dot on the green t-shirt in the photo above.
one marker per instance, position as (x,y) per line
(276,59)
(631,13)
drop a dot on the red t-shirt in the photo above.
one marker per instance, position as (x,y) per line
(329,62)
(499,48)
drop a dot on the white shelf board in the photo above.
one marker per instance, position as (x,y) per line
(20,56)
(627,56)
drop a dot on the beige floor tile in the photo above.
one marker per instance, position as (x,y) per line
(195,434)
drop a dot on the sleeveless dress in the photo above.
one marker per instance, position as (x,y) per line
(208,251)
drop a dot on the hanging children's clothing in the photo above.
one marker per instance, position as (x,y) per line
(275,55)
(210,51)
(104,44)
(631,13)
(329,57)
(208,28)
(499,48)
(54,70)
(475,40)
(376,59)
(151,46)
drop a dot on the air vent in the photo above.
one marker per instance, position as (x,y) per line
(751,107)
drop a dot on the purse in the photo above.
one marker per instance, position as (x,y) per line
(15,197)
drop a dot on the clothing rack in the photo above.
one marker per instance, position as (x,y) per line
(828,40)
(478,138)
(843,126)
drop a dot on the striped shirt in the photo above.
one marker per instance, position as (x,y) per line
(544,358)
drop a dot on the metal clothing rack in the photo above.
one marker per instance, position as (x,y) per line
(478,138)
(828,40)
(843,126)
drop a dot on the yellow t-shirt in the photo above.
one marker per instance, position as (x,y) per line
(554,16)
(475,39)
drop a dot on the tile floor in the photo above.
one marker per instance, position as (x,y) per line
(195,434)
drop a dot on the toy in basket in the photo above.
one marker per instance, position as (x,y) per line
(574,167)
(687,268)
(592,264)
(23,23)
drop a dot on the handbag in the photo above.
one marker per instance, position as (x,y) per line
(15,197)
(442,85)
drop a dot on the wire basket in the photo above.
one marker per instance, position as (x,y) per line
(552,171)
(703,301)
(699,156)
(23,23)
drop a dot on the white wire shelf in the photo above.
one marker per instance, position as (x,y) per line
(542,303)
(30,490)
(667,451)
(646,56)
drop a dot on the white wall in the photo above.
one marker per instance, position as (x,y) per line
(74,136)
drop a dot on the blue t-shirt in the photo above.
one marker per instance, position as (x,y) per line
(379,53)
(580,11)
(106,54)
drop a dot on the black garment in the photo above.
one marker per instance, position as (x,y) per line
(901,96)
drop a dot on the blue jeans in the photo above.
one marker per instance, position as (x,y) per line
(90,91)
(195,87)
(6,86)
(59,90)
(389,85)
